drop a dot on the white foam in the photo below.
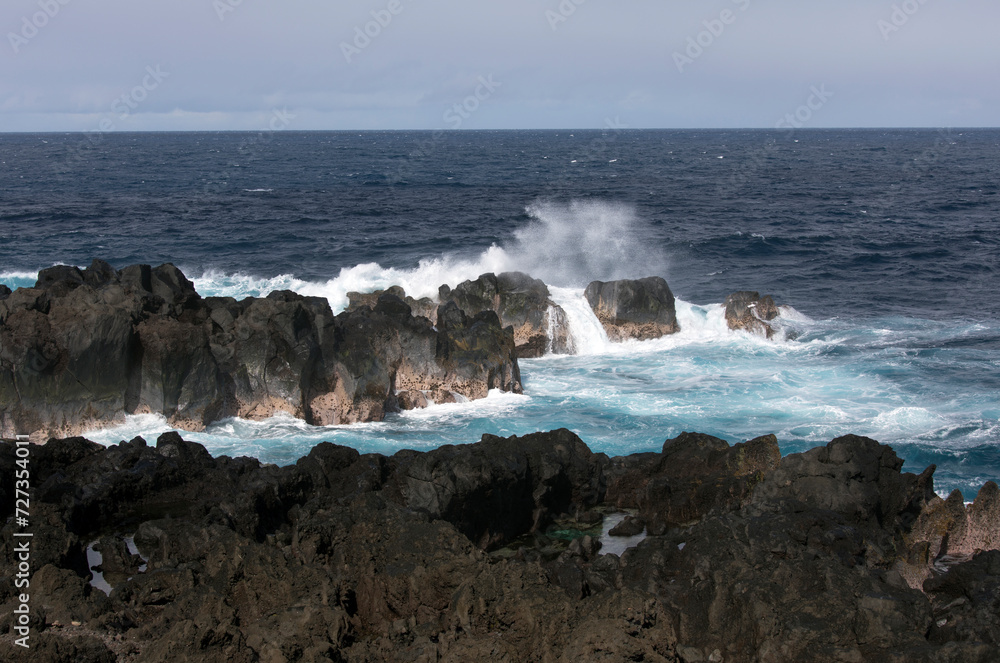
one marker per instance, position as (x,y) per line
(587,332)
(791,314)
(24,276)
(146,426)
(566,245)
(423,281)
(905,422)
(698,325)
(497,403)
(570,245)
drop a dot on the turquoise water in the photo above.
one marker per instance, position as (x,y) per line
(882,245)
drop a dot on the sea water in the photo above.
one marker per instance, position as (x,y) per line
(880,246)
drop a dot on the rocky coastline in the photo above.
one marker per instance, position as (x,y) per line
(84,348)
(529,548)
(492,551)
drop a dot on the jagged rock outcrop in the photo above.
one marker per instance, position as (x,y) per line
(424,306)
(521,302)
(947,532)
(692,476)
(85,347)
(748,311)
(501,488)
(634,309)
(350,557)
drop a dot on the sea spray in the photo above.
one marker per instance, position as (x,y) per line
(572,244)
(565,245)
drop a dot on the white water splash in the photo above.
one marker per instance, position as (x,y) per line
(589,337)
(564,245)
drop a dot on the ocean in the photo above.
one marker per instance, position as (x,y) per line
(881,245)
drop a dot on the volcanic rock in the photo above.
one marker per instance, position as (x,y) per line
(748,311)
(501,488)
(350,557)
(693,476)
(83,348)
(642,309)
(629,526)
(411,400)
(422,307)
(521,302)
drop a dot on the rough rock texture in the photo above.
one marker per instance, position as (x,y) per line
(748,311)
(641,309)
(947,532)
(521,302)
(501,488)
(694,475)
(422,307)
(84,348)
(349,557)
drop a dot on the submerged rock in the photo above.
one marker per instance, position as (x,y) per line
(642,309)
(83,348)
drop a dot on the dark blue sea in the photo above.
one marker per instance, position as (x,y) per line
(881,245)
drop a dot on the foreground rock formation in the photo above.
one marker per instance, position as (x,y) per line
(487,552)
(84,348)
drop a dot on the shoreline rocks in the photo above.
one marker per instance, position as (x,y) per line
(484,551)
(85,347)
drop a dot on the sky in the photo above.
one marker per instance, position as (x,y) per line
(140,65)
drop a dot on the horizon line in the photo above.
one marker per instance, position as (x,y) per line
(603,129)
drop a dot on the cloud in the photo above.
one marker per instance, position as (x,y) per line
(420,57)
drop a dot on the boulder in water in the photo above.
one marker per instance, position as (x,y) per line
(747,310)
(634,309)
(521,302)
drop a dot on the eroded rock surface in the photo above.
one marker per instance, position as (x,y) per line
(85,347)
(455,555)
(634,309)
(748,311)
